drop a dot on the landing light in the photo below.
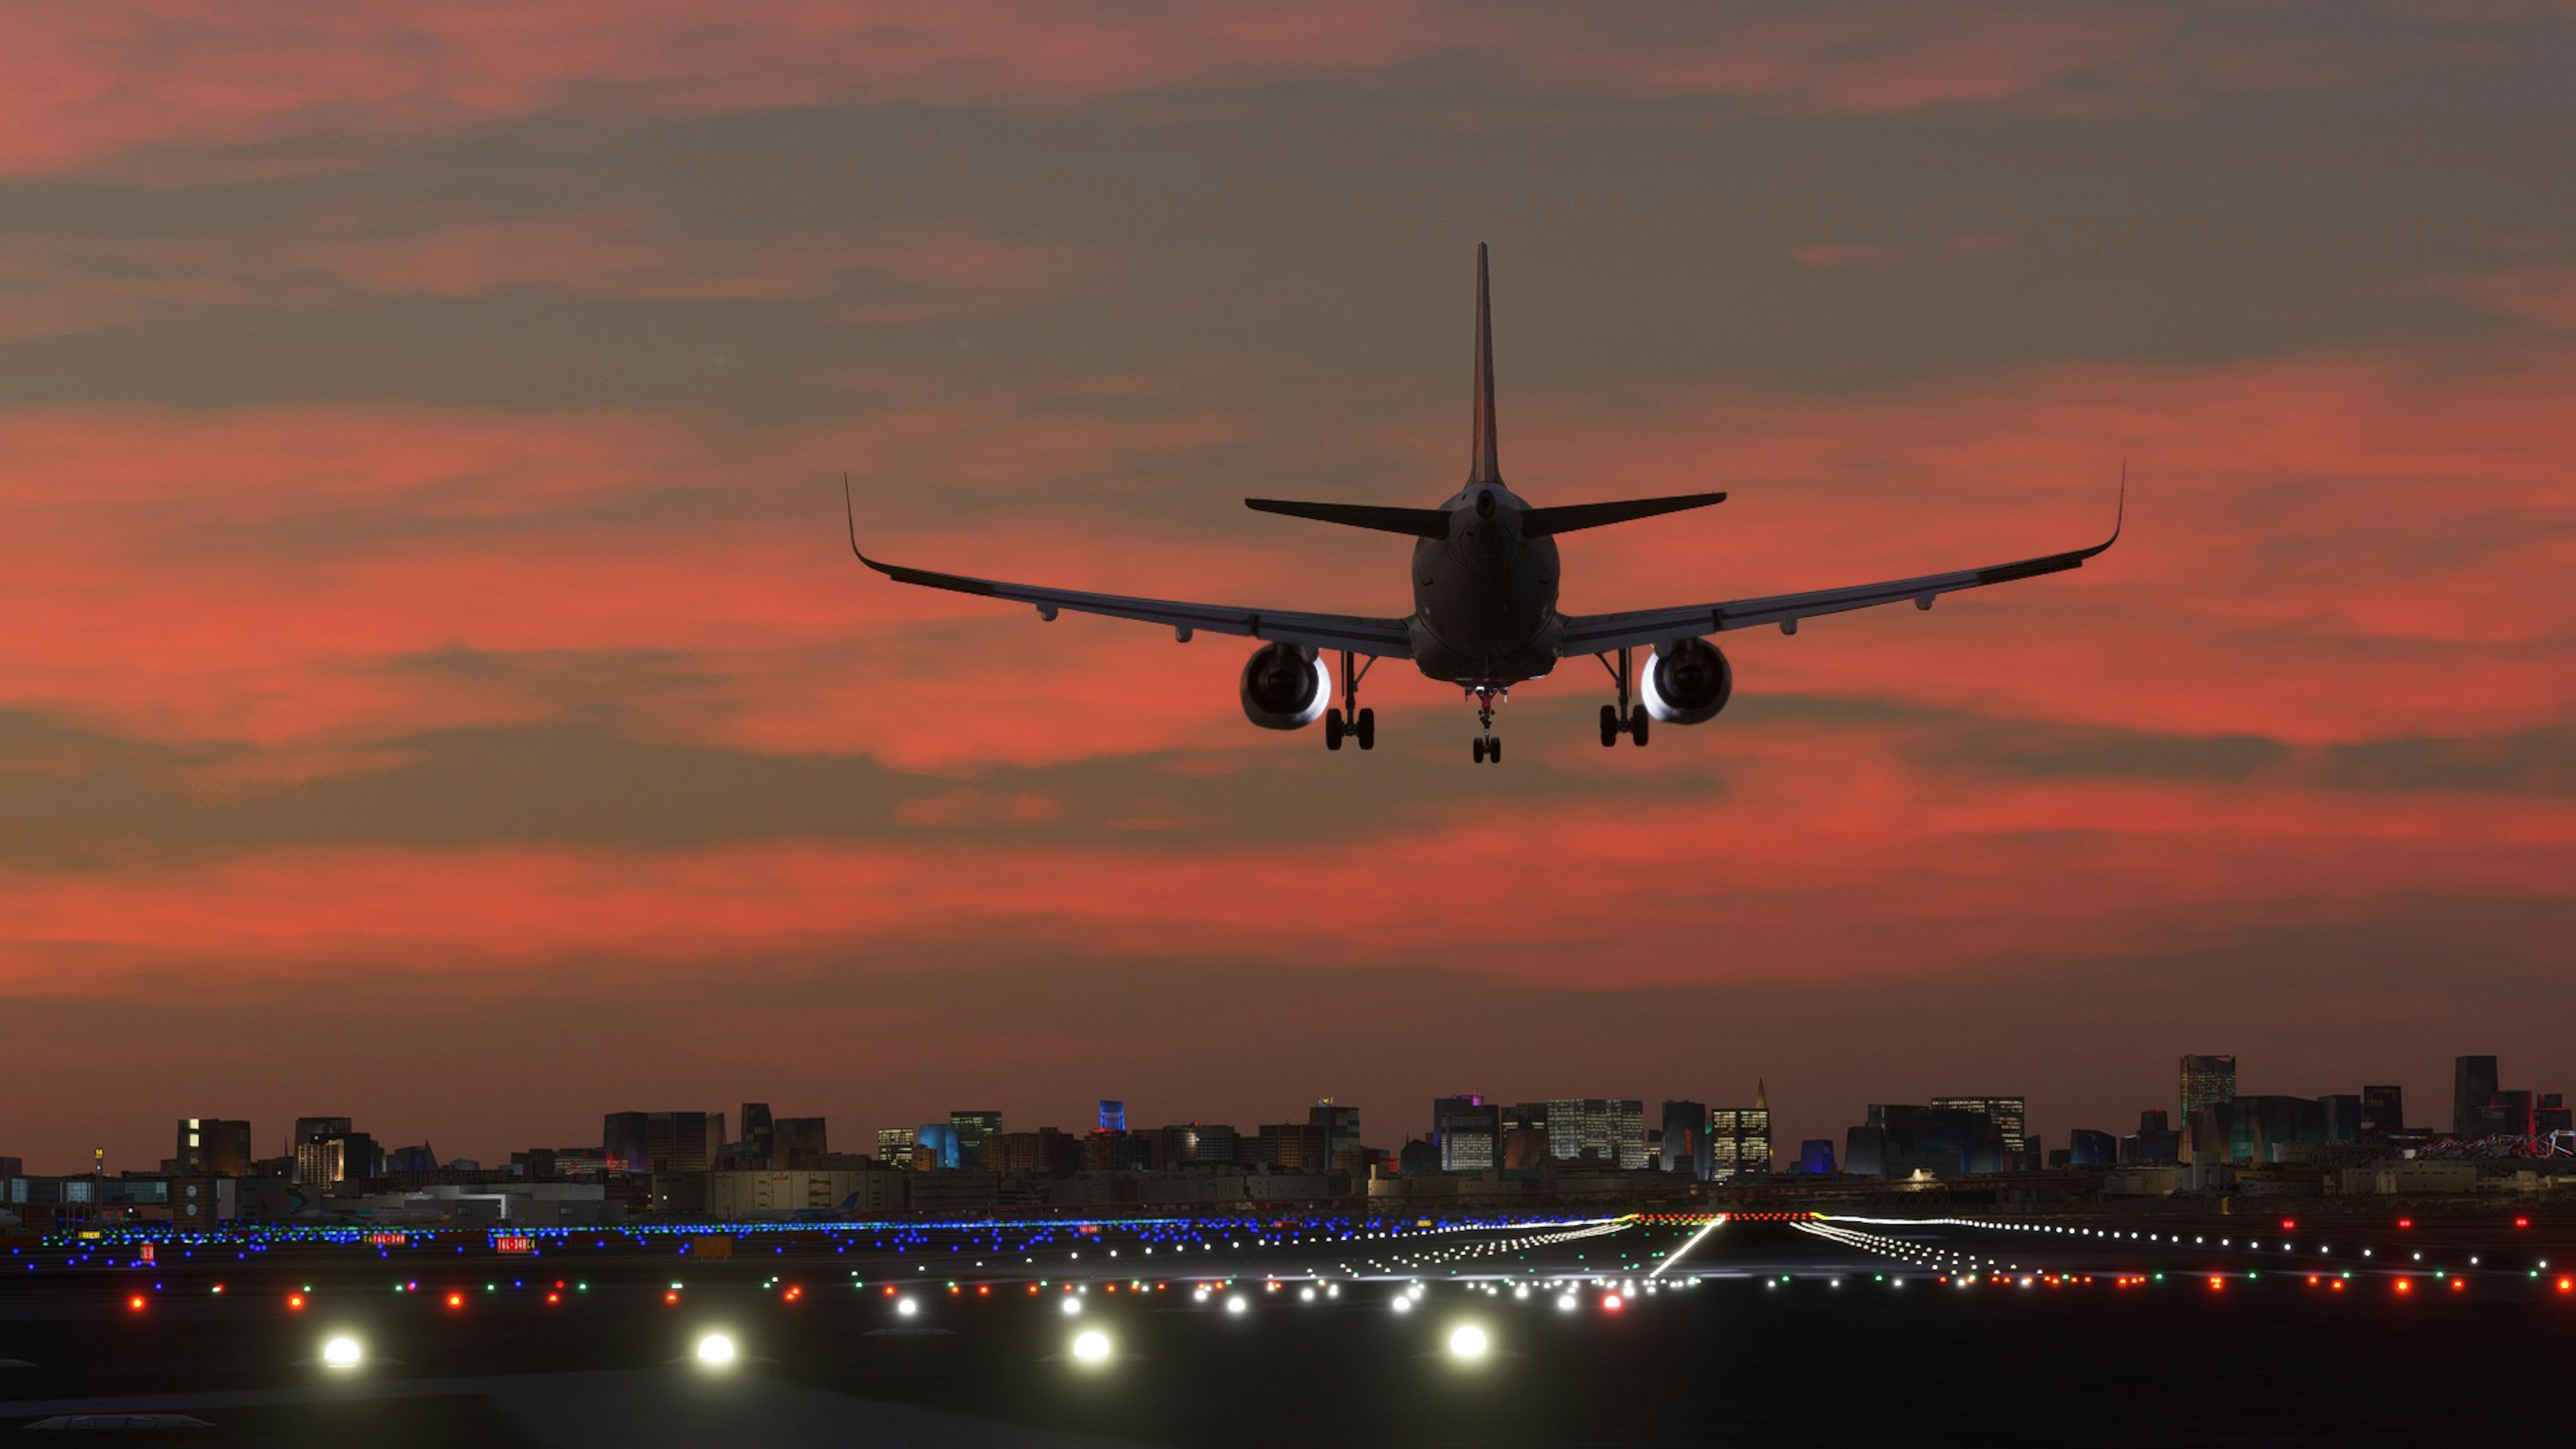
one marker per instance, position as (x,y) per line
(1072,1305)
(716,1350)
(906,1307)
(1091,1346)
(1237,1303)
(342,1352)
(1467,1341)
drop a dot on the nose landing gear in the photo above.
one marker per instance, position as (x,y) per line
(1487,746)
(1348,720)
(1622,718)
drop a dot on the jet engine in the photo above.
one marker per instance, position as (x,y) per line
(1685,682)
(1285,688)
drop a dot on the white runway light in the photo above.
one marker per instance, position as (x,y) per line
(1237,1303)
(716,1349)
(342,1352)
(1091,1346)
(1467,1341)
(1072,1305)
(906,1307)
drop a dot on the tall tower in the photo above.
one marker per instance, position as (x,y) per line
(2473,1086)
(2207,1081)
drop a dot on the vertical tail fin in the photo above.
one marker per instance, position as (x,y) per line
(1484,468)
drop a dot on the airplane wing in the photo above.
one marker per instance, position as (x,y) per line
(1314,631)
(1592,633)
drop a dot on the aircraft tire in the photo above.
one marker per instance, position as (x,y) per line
(1609,725)
(1332,729)
(1637,722)
(1366,729)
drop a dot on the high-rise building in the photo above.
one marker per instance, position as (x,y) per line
(2343,1116)
(2207,1081)
(666,1142)
(974,1131)
(759,1134)
(2383,1111)
(1341,1134)
(213,1147)
(2473,1086)
(1196,1142)
(1816,1156)
(2154,1144)
(1113,1116)
(2552,1114)
(894,1146)
(1609,1130)
(2088,1148)
(934,1147)
(797,1144)
(1292,1147)
(1739,1138)
(1467,1131)
(2007,1113)
(1685,1145)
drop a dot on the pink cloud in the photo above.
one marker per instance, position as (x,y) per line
(88,84)
(2543,296)
(1846,256)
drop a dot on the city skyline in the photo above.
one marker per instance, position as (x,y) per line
(432,671)
(1390,1126)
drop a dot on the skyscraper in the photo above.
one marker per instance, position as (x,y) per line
(1113,1116)
(213,1147)
(1686,1138)
(975,1130)
(894,1146)
(759,1141)
(662,1141)
(2383,1111)
(2473,1086)
(2007,1113)
(1739,1138)
(1467,1132)
(1611,1130)
(1341,1134)
(2207,1081)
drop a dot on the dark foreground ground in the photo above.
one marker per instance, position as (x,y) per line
(1838,1332)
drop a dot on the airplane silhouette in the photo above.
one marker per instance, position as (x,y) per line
(1484,614)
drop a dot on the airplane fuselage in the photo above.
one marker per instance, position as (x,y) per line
(1484,598)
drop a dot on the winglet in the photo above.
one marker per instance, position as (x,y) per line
(1484,468)
(850,513)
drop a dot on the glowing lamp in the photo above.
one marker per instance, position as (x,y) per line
(342,1352)
(1467,1341)
(716,1350)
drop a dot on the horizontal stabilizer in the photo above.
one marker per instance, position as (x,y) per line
(1567,519)
(1419,522)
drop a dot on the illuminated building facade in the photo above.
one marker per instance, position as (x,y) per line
(975,1131)
(1342,1146)
(2383,1111)
(894,1146)
(1607,1130)
(2006,1113)
(1739,1138)
(1113,1116)
(213,1147)
(663,1142)
(2207,1081)
(1685,1144)
(1467,1132)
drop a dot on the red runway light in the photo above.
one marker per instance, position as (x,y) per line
(2405,1285)
(2338,1285)
(1610,1304)
(2288,1223)
(982,1290)
(2312,1280)
(2522,1222)
(2567,1285)
(295,1301)
(2405,1222)
(673,1296)
(455,1300)
(135,1303)
(2459,1283)
(554,1298)
(2217,1284)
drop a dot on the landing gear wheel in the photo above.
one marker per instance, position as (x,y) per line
(1638,719)
(1480,749)
(1494,749)
(1333,729)
(1365,729)
(1609,725)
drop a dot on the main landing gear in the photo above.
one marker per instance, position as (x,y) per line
(1487,747)
(1348,720)
(1624,717)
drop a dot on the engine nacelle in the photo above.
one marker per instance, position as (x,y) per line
(1686,682)
(1285,688)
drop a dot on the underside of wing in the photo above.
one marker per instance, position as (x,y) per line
(1592,633)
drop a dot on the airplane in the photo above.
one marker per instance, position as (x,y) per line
(1485,614)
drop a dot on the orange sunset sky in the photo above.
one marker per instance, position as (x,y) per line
(434,685)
